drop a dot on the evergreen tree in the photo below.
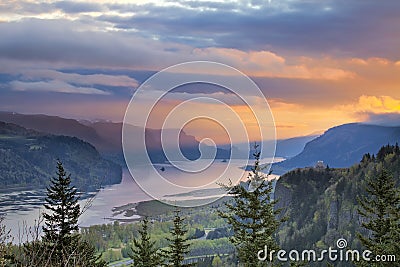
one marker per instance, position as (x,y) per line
(61,220)
(145,254)
(252,216)
(61,245)
(217,262)
(179,246)
(381,208)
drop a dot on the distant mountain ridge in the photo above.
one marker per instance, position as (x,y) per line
(28,158)
(342,146)
(106,136)
(51,124)
(288,148)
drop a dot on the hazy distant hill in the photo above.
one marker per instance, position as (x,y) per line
(105,136)
(342,146)
(28,157)
(51,124)
(291,147)
(286,148)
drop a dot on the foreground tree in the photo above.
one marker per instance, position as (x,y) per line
(144,253)
(381,209)
(179,246)
(5,245)
(61,244)
(252,216)
(63,210)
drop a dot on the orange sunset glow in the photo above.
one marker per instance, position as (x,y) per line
(86,61)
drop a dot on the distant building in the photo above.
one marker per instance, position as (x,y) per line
(320,165)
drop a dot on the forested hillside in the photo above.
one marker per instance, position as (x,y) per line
(27,158)
(321,204)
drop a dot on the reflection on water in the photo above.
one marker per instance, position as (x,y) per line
(24,207)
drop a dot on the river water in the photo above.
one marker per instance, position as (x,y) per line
(23,208)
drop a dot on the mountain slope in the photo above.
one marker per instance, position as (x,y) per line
(321,204)
(51,124)
(106,136)
(29,158)
(291,147)
(342,146)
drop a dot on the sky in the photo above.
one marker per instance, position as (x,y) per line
(318,63)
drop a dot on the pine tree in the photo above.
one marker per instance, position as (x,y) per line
(179,246)
(62,245)
(252,216)
(381,208)
(61,220)
(145,254)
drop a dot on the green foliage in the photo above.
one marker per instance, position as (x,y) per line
(144,253)
(61,220)
(211,247)
(252,216)
(61,244)
(120,236)
(381,209)
(217,262)
(112,255)
(179,245)
(322,205)
(220,233)
(27,159)
(198,233)
(5,245)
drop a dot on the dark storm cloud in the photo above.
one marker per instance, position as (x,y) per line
(68,43)
(355,28)
(333,27)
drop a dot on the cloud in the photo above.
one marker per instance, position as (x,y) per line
(340,27)
(381,104)
(321,63)
(361,28)
(375,109)
(91,79)
(64,43)
(54,86)
(21,8)
(375,104)
(79,7)
(268,64)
